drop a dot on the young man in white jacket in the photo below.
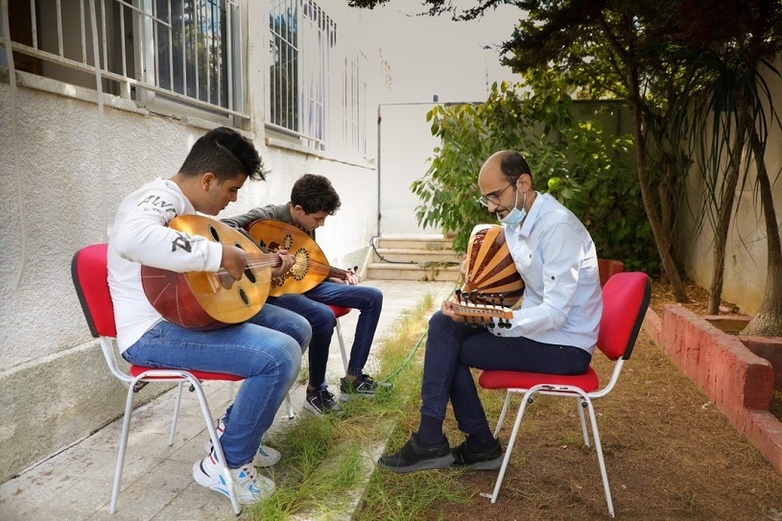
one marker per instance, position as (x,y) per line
(265,350)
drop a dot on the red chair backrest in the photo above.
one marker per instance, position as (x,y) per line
(626,296)
(89,270)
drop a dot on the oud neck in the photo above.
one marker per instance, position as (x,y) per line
(338,273)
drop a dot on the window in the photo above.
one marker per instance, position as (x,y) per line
(316,86)
(184,55)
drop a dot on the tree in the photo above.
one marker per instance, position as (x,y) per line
(610,47)
(631,49)
(727,93)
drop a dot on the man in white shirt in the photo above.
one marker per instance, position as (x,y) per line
(554,330)
(265,350)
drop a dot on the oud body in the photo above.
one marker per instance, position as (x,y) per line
(311,266)
(210,300)
(490,270)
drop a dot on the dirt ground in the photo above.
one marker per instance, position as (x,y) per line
(670,453)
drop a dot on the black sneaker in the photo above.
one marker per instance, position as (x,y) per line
(321,401)
(489,459)
(364,385)
(414,457)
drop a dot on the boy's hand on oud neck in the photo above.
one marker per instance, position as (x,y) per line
(287,261)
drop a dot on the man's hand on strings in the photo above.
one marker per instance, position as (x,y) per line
(447,309)
(234,261)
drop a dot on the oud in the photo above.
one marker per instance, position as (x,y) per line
(478,310)
(210,300)
(490,269)
(310,267)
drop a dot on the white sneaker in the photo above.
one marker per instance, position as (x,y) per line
(248,486)
(265,457)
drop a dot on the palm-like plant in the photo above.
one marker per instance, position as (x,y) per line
(725,113)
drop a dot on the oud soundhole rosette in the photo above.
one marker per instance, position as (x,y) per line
(302,265)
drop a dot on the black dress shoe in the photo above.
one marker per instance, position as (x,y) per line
(414,457)
(489,459)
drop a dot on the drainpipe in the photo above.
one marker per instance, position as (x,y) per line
(379,162)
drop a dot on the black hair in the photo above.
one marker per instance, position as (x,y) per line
(225,153)
(314,193)
(513,165)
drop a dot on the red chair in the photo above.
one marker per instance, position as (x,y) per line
(339,311)
(90,277)
(625,299)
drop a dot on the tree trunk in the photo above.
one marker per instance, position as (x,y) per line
(661,239)
(768,320)
(725,212)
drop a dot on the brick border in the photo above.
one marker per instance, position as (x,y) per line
(731,374)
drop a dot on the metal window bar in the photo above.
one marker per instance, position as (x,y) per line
(71,28)
(303,54)
(350,126)
(284,77)
(317,37)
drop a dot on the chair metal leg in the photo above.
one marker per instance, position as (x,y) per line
(504,412)
(288,403)
(580,403)
(123,444)
(177,404)
(216,446)
(600,459)
(342,347)
(524,401)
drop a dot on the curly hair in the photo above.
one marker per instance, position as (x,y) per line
(314,193)
(225,153)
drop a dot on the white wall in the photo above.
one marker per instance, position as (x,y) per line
(415,58)
(61,190)
(422,56)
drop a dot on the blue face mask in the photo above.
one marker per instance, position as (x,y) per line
(515,216)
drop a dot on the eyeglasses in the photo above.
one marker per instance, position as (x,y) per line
(493,197)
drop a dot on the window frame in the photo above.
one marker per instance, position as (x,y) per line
(61,49)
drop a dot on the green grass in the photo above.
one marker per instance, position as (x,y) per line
(326,459)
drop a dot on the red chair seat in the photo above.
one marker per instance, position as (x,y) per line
(339,311)
(588,381)
(136,370)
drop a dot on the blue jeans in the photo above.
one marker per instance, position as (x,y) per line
(265,351)
(452,348)
(313,305)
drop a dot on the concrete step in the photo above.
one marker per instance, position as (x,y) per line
(419,242)
(416,255)
(420,272)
